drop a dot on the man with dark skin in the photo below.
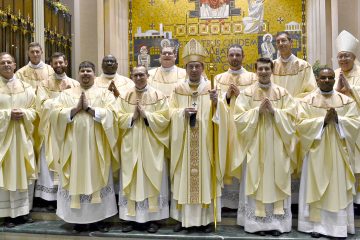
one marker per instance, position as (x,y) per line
(328,125)
(110,79)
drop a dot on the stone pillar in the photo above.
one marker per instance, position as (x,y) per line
(39,24)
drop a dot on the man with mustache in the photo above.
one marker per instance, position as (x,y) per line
(18,166)
(328,127)
(265,116)
(229,84)
(168,75)
(36,70)
(110,79)
(83,123)
(46,185)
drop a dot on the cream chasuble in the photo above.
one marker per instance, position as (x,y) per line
(123,84)
(87,145)
(142,146)
(353,78)
(17,160)
(34,76)
(295,75)
(327,184)
(48,89)
(166,79)
(267,144)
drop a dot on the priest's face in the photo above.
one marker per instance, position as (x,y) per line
(346,60)
(264,72)
(86,77)
(194,71)
(283,44)
(59,64)
(326,80)
(139,76)
(7,66)
(235,58)
(109,65)
(34,54)
(167,57)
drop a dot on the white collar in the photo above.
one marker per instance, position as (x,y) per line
(143,89)
(8,80)
(170,69)
(268,85)
(240,71)
(60,76)
(201,85)
(41,64)
(108,75)
(290,58)
(327,93)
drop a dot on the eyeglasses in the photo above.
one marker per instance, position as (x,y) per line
(344,56)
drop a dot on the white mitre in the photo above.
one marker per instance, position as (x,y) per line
(346,42)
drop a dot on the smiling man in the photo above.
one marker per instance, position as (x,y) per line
(291,72)
(167,76)
(230,83)
(265,119)
(36,70)
(83,122)
(18,166)
(110,79)
(46,185)
(144,120)
(328,127)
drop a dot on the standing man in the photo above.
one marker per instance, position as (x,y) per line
(290,72)
(328,128)
(110,79)
(17,159)
(193,182)
(144,120)
(86,133)
(230,83)
(46,185)
(348,83)
(264,116)
(36,70)
(167,76)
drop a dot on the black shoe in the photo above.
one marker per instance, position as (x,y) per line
(275,233)
(152,228)
(24,219)
(79,228)
(128,227)
(261,233)
(9,222)
(315,235)
(178,227)
(99,226)
(208,228)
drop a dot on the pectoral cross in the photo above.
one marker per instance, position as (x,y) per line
(194,104)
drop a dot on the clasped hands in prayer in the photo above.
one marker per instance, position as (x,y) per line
(83,104)
(233,90)
(139,111)
(343,85)
(112,88)
(331,115)
(266,107)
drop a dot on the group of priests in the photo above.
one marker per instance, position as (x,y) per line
(171,143)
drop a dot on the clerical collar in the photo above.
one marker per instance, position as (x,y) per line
(142,90)
(241,70)
(170,69)
(8,80)
(60,76)
(326,93)
(287,59)
(109,75)
(41,64)
(268,85)
(194,84)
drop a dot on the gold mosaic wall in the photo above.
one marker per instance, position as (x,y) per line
(217,23)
